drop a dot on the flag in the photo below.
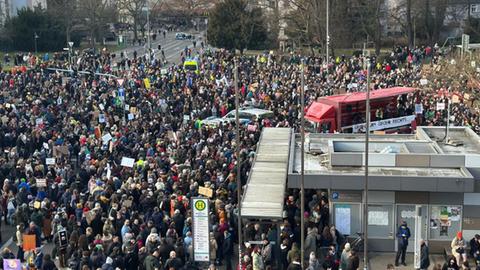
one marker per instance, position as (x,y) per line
(98,132)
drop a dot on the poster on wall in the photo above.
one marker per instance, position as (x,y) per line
(378,218)
(343,219)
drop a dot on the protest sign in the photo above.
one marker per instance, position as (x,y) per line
(106,138)
(12,264)
(41,182)
(29,242)
(127,162)
(205,191)
(50,161)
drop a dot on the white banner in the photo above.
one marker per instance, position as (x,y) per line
(385,124)
(201,234)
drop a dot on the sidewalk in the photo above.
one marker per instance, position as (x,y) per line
(380,260)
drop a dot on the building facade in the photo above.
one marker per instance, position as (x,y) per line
(431,185)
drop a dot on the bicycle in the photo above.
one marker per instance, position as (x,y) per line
(357,243)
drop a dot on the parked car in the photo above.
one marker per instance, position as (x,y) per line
(246,115)
(183,36)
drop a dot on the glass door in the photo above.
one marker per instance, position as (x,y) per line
(406,212)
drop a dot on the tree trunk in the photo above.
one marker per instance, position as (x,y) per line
(427,22)
(409,24)
(135,32)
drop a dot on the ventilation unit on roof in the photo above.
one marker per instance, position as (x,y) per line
(455,143)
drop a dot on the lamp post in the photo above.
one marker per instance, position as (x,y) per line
(35,37)
(365,196)
(149,44)
(328,31)
(302,164)
(237,148)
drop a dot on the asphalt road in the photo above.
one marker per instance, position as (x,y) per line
(171,46)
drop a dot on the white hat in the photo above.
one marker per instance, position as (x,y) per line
(109,260)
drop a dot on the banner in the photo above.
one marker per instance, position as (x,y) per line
(201,234)
(385,124)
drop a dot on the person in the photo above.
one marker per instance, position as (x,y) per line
(257,259)
(465,265)
(152,262)
(475,249)
(353,261)
(293,253)
(344,256)
(19,241)
(227,249)
(48,264)
(424,255)
(295,264)
(459,248)
(403,234)
(311,241)
(313,263)
(331,262)
(451,264)
(173,262)
(266,252)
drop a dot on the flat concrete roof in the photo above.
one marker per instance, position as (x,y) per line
(394,160)
(264,193)
(470,140)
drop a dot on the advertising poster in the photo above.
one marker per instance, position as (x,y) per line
(343,219)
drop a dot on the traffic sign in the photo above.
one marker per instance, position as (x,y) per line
(120,82)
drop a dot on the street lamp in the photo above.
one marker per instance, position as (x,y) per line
(237,150)
(328,33)
(35,37)
(148,31)
(365,197)
(70,47)
(302,165)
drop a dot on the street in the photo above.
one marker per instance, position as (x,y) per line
(171,46)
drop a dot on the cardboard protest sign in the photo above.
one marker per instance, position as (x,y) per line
(41,182)
(101,118)
(50,161)
(205,191)
(106,138)
(127,162)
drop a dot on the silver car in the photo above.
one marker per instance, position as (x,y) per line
(246,115)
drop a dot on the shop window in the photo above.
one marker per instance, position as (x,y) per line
(346,218)
(380,221)
(445,221)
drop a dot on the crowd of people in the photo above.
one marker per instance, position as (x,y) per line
(64,138)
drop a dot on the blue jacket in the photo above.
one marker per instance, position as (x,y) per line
(403,233)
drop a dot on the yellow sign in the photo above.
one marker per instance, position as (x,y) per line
(200,205)
(205,191)
(147,83)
